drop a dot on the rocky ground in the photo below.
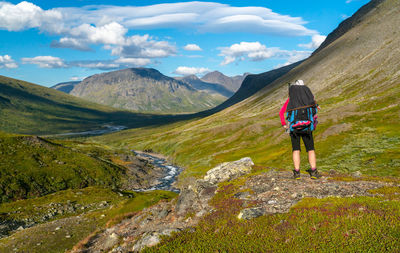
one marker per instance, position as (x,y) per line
(268,193)
(140,173)
(42,214)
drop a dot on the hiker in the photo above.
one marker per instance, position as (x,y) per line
(301,111)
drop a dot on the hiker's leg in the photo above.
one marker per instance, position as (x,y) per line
(296,159)
(309,143)
(312,159)
(296,150)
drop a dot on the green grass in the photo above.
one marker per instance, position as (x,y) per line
(45,238)
(359,224)
(32,166)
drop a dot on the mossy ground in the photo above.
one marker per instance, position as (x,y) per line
(359,224)
(46,238)
(32,166)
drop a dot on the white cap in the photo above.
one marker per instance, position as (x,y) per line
(299,82)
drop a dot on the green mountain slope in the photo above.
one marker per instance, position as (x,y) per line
(356,80)
(144,90)
(33,109)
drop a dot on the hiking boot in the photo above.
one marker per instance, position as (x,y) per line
(314,174)
(296,174)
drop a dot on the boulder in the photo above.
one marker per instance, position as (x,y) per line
(196,193)
(250,213)
(229,170)
(150,239)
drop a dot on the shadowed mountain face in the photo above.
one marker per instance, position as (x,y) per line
(355,79)
(212,88)
(231,83)
(254,83)
(145,90)
(66,86)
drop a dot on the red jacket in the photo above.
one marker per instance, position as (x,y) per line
(282,112)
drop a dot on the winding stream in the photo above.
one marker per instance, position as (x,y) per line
(171,172)
(105,130)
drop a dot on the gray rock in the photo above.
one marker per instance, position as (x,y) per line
(152,238)
(229,170)
(250,213)
(164,213)
(110,241)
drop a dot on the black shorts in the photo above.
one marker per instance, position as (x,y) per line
(307,139)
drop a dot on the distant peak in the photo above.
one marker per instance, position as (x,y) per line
(214,73)
(190,77)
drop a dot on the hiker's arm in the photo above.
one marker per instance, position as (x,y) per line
(282,113)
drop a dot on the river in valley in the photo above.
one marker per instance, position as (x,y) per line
(171,171)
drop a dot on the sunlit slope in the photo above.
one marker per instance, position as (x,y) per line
(356,80)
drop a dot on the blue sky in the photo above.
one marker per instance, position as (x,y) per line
(47,42)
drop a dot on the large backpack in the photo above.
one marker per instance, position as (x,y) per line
(302,120)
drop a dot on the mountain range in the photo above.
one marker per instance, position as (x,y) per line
(231,83)
(147,90)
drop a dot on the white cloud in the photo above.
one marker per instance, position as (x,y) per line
(185,71)
(103,65)
(255,51)
(197,16)
(7,62)
(26,15)
(316,41)
(143,47)
(76,78)
(73,43)
(56,62)
(82,36)
(111,33)
(192,47)
(45,61)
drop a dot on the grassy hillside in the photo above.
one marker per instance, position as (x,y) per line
(33,109)
(32,166)
(355,79)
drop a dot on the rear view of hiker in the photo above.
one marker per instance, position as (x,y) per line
(301,110)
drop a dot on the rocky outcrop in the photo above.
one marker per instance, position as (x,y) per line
(145,228)
(260,194)
(228,171)
(276,191)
